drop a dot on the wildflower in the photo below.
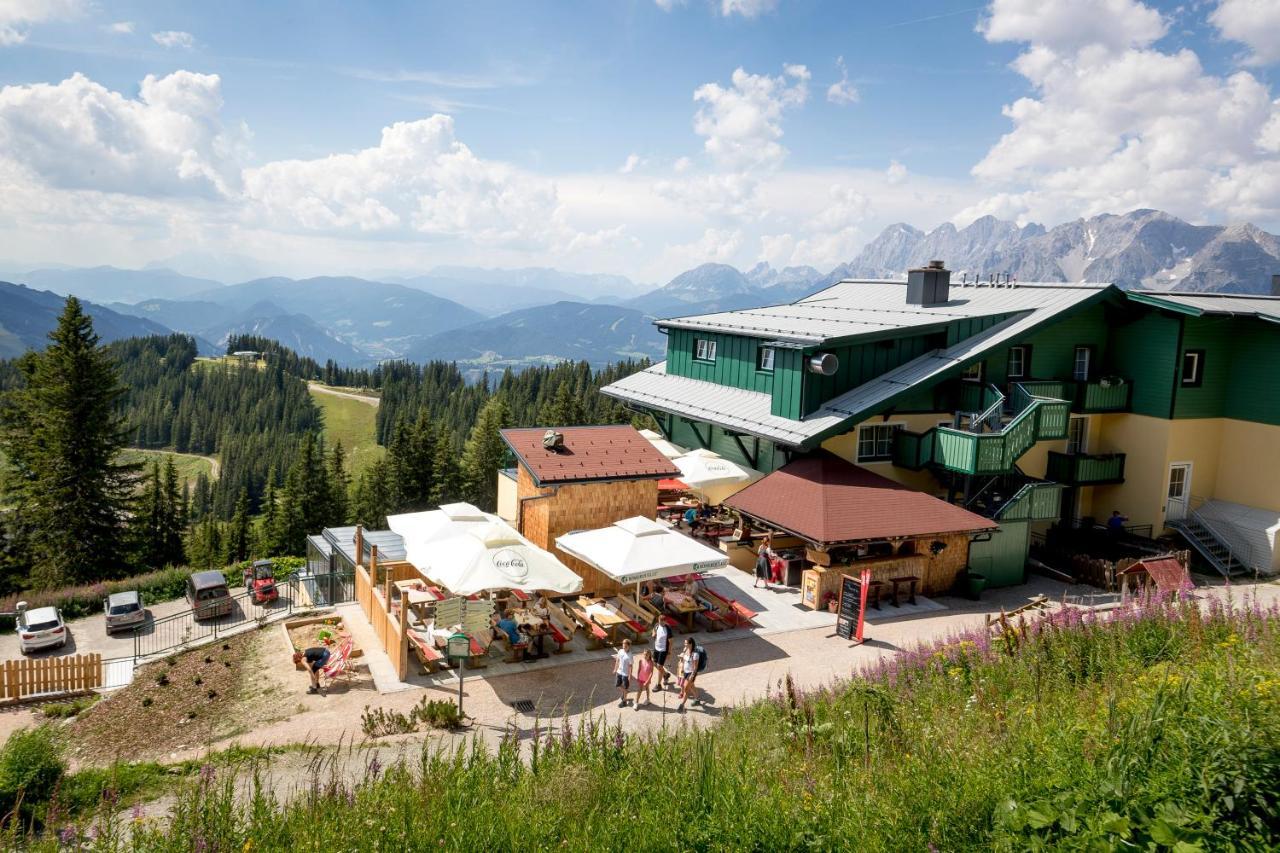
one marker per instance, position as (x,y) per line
(67,834)
(137,813)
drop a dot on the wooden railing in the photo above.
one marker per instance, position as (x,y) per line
(1083,469)
(30,677)
(1096,397)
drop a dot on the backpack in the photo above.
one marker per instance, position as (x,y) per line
(702,657)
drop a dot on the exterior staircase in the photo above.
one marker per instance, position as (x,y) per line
(984,442)
(1200,534)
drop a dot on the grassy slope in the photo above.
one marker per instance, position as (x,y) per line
(189,466)
(1159,730)
(351,422)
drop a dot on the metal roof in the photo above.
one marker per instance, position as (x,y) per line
(390,545)
(749,411)
(854,308)
(1197,304)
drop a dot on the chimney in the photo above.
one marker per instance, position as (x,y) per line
(1275,284)
(929,285)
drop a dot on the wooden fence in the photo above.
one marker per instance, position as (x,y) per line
(50,676)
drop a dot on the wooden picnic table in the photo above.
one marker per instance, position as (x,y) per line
(683,604)
(545,629)
(602,614)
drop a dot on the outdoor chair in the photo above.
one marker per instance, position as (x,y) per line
(339,665)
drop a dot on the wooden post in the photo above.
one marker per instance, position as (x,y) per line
(359,545)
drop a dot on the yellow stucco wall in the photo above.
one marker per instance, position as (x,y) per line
(1249,464)
(846,447)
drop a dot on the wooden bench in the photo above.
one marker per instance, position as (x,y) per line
(732,609)
(429,656)
(640,621)
(910,582)
(597,637)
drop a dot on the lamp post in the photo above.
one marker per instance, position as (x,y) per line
(459,649)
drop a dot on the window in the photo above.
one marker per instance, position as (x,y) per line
(973,373)
(1077,435)
(875,442)
(1192,367)
(764,359)
(704,350)
(1080,370)
(1018,362)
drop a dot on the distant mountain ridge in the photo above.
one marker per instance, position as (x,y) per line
(28,315)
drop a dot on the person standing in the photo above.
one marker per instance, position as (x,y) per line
(316,659)
(1115,524)
(661,643)
(644,674)
(622,672)
(762,568)
(688,672)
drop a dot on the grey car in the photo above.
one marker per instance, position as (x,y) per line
(123,610)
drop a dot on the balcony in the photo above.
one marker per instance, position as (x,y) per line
(1085,469)
(1110,395)
(1036,501)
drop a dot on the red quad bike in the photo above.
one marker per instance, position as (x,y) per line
(260,582)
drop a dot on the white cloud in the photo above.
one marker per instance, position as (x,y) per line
(668,5)
(632,162)
(79,135)
(842,91)
(17,15)
(896,173)
(1116,124)
(743,123)
(1072,24)
(1255,23)
(716,245)
(730,194)
(123,28)
(682,165)
(747,8)
(174,38)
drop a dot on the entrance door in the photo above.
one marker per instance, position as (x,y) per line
(1179,491)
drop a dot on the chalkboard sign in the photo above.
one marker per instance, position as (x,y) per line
(853,606)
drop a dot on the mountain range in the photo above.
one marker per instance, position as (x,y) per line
(489,318)
(27,316)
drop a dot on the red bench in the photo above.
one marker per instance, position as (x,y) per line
(429,656)
(736,612)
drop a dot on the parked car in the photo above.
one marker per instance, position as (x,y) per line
(41,628)
(123,610)
(208,595)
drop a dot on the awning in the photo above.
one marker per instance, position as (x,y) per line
(671,484)
(495,556)
(666,448)
(640,549)
(420,530)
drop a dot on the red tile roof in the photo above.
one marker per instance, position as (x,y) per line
(825,499)
(589,453)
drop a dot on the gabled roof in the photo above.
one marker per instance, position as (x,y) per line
(589,453)
(824,499)
(749,411)
(864,308)
(1199,304)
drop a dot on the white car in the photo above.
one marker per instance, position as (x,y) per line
(41,628)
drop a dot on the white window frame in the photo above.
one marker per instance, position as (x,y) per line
(1076,373)
(704,349)
(1022,362)
(1082,446)
(892,427)
(974,372)
(764,359)
(1194,377)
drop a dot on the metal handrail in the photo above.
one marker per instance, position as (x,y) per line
(1232,551)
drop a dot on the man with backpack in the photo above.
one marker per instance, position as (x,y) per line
(692,661)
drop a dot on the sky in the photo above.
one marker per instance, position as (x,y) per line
(638,137)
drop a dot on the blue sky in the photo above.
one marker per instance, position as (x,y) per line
(637,136)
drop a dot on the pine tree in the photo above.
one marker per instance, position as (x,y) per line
(305,500)
(268,544)
(62,433)
(238,535)
(446,475)
(373,496)
(411,454)
(484,454)
(565,409)
(147,526)
(174,519)
(339,486)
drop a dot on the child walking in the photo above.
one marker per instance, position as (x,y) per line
(622,672)
(644,674)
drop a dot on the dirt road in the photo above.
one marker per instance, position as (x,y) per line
(334,392)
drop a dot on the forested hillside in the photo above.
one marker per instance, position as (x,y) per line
(278,479)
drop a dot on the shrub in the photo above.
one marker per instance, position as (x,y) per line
(31,766)
(65,710)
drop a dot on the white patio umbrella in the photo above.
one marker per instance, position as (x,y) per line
(420,530)
(495,556)
(640,549)
(714,476)
(666,448)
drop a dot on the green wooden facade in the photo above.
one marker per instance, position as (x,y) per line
(1085,469)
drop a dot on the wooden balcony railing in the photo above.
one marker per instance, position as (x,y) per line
(1085,469)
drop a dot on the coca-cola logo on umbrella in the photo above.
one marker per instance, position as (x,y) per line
(511,564)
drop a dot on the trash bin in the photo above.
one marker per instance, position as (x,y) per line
(975,584)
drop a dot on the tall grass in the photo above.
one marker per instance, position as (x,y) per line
(1158,728)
